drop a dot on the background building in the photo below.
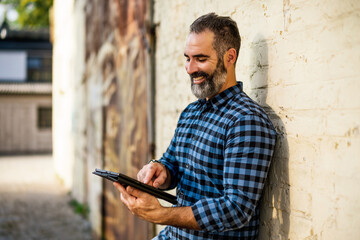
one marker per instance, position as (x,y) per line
(25,91)
(120,85)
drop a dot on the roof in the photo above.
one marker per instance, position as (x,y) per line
(25,88)
(42,34)
(24,39)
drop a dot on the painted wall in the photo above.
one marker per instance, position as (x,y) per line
(101,75)
(299,60)
(77,111)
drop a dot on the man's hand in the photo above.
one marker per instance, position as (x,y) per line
(139,203)
(147,207)
(155,174)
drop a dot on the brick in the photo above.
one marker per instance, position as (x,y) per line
(300,227)
(348,119)
(301,201)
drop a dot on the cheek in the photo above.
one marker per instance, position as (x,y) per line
(209,69)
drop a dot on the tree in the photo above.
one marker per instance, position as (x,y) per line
(32,13)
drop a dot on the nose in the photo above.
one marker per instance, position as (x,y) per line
(191,67)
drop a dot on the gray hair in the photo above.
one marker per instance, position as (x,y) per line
(226,32)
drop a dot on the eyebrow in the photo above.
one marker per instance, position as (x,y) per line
(198,55)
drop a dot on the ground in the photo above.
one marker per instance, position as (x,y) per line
(33,203)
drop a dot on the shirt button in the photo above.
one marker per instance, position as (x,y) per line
(187,165)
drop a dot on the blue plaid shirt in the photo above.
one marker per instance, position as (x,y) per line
(218,159)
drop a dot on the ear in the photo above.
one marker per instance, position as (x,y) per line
(230,57)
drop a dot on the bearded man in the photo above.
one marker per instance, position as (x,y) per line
(220,154)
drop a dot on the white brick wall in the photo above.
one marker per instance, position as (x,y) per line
(308,53)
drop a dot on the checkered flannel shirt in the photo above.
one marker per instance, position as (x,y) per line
(218,159)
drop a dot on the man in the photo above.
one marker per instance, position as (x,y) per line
(220,154)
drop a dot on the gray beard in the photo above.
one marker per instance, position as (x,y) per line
(212,84)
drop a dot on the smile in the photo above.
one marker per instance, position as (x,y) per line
(198,80)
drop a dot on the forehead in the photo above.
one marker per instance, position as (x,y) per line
(200,43)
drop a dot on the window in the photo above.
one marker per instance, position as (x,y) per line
(39,68)
(44,117)
(13,66)
(26,65)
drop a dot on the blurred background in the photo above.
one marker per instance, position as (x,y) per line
(101,83)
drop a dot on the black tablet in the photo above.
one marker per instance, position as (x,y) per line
(128,181)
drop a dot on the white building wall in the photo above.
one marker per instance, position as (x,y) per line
(19,131)
(77,110)
(299,59)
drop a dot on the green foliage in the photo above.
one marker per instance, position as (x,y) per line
(79,208)
(32,13)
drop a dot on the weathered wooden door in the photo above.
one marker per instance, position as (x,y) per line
(120,43)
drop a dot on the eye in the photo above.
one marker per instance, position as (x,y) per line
(202,59)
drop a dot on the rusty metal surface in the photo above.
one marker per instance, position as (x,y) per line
(115,38)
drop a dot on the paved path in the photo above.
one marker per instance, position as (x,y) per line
(33,204)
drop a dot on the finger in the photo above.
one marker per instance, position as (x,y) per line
(119,187)
(140,174)
(161,176)
(134,192)
(149,175)
(139,197)
(125,197)
(159,180)
(147,169)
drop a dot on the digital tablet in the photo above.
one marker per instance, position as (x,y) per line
(128,181)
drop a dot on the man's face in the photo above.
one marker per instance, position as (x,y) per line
(207,72)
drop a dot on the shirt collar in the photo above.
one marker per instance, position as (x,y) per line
(222,97)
